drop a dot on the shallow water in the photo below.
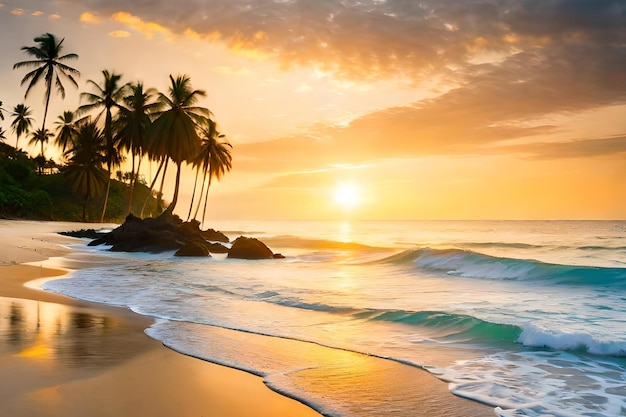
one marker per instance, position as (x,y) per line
(525,316)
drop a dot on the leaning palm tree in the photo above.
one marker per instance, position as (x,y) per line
(86,157)
(108,96)
(201,162)
(66,130)
(48,63)
(22,122)
(132,127)
(216,161)
(174,132)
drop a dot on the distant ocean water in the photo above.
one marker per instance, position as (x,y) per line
(526,316)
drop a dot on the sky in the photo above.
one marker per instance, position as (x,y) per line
(371,109)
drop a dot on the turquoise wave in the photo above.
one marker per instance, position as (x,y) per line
(468,264)
(445,326)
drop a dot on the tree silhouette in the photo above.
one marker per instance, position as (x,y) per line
(41,136)
(48,64)
(174,132)
(66,130)
(22,122)
(132,127)
(108,96)
(86,156)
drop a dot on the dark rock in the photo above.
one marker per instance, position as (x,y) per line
(84,233)
(191,227)
(169,233)
(215,236)
(217,248)
(194,247)
(145,235)
(279,256)
(249,248)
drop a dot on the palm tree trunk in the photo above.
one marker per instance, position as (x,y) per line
(106,195)
(154,180)
(193,194)
(132,183)
(170,208)
(45,113)
(160,195)
(132,186)
(206,198)
(195,214)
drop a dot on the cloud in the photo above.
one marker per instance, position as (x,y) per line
(54,16)
(497,64)
(147,28)
(449,43)
(119,34)
(17,12)
(88,17)
(370,39)
(37,13)
(576,149)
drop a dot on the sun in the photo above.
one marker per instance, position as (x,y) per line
(348,195)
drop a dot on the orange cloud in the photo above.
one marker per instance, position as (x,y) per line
(88,17)
(148,29)
(17,12)
(119,34)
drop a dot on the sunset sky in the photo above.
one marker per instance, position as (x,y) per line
(456,109)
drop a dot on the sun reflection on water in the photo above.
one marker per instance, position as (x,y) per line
(73,336)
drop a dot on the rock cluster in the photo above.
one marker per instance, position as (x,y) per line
(169,233)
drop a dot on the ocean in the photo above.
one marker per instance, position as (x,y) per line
(528,317)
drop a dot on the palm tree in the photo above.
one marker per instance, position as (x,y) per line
(174,132)
(22,122)
(1,111)
(3,136)
(41,136)
(108,96)
(215,160)
(201,162)
(132,127)
(86,156)
(48,63)
(66,130)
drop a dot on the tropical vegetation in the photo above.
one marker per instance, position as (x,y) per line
(119,121)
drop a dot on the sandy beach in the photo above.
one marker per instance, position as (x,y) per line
(96,369)
(64,357)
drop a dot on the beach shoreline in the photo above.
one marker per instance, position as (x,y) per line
(114,367)
(140,375)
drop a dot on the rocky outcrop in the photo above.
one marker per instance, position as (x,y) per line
(249,248)
(215,236)
(152,235)
(217,248)
(84,233)
(156,235)
(194,247)
(169,233)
